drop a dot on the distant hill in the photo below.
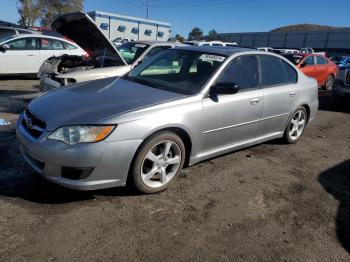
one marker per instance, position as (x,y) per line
(307,27)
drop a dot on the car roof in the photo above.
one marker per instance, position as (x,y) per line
(218,50)
(153,42)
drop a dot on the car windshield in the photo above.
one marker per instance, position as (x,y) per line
(179,71)
(295,59)
(130,51)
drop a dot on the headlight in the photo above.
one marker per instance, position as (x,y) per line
(72,135)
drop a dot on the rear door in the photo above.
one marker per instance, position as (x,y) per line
(51,47)
(323,69)
(279,87)
(22,57)
(234,118)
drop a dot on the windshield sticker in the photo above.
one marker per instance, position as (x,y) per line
(209,58)
(140,45)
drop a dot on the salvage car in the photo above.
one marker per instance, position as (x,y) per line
(316,66)
(181,107)
(104,59)
(24,54)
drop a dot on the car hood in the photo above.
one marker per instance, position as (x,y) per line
(94,101)
(80,28)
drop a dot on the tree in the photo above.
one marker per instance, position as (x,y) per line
(29,11)
(212,34)
(195,34)
(53,8)
(179,38)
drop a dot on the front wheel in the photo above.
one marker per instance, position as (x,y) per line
(158,161)
(296,126)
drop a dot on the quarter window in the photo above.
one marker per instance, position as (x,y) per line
(275,71)
(242,71)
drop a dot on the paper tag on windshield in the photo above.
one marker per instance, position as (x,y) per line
(140,45)
(209,58)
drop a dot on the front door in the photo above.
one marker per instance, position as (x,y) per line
(230,119)
(22,57)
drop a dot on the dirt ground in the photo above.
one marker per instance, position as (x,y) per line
(271,202)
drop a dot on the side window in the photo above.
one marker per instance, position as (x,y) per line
(292,75)
(321,61)
(69,46)
(23,44)
(51,44)
(273,71)
(242,71)
(309,61)
(156,50)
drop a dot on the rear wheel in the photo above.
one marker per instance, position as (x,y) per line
(329,83)
(158,161)
(296,126)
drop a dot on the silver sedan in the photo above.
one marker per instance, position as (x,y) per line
(183,106)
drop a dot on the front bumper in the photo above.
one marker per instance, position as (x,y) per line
(46,83)
(109,162)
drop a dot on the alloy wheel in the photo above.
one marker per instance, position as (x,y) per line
(297,125)
(161,164)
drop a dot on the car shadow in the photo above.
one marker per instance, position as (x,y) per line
(19,77)
(17,180)
(336,181)
(327,103)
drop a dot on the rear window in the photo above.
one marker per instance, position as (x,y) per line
(295,59)
(321,61)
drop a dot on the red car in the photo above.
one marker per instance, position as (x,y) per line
(316,66)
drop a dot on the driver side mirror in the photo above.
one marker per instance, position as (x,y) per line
(4,47)
(303,65)
(225,88)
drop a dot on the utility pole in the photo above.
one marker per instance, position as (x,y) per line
(148,4)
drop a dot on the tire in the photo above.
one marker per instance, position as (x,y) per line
(329,83)
(153,171)
(291,137)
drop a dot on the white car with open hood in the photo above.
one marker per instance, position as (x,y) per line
(105,59)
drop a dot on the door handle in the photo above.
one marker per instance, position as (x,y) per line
(291,94)
(255,101)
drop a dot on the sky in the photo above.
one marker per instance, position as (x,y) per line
(225,16)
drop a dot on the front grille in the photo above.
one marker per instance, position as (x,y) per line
(32,124)
(347,77)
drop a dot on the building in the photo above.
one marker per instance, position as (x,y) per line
(119,26)
(333,42)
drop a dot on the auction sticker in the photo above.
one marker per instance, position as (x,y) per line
(207,57)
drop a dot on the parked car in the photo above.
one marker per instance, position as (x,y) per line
(211,43)
(309,50)
(316,66)
(341,88)
(104,61)
(341,60)
(185,105)
(24,54)
(6,30)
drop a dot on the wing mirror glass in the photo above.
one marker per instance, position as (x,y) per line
(225,88)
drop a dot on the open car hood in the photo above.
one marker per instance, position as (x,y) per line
(80,28)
